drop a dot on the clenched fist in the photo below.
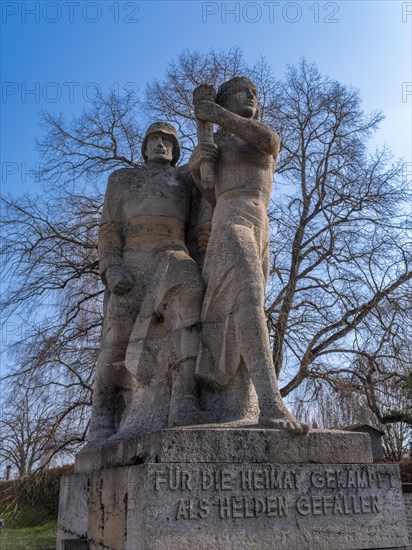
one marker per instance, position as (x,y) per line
(118,280)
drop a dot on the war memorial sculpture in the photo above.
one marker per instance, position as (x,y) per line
(191,445)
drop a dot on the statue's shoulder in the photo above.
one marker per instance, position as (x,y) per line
(122,175)
(183,173)
(183,170)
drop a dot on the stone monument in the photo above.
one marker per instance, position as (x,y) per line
(154,292)
(191,445)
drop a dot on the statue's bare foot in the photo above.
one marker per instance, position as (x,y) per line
(294,426)
(279,418)
(193,418)
(98,439)
(101,429)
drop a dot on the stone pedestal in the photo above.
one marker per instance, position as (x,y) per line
(230,488)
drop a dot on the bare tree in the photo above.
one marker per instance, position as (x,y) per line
(396,418)
(339,297)
(36,428)
(377,398)
(52,291)
(101,139)
(340,251)
(343,244)
(171,98)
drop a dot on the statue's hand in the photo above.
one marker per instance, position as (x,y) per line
(203,236)
(204,101)
(205,110)
(203,92)
(118,280)
(209,152)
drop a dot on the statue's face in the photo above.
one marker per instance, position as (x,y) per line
(243,102)
(159,149)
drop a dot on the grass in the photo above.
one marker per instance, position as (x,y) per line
(28,506)
(38,537)
(29,530)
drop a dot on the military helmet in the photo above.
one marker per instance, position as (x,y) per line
(163,128)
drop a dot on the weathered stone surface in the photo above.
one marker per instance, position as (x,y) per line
(243,153)
(73,509)
(75,545)
(236,445)
(407,499)
(108,507)
(265,506)
(223,506)
(151,216)
(182,345)
(185,347)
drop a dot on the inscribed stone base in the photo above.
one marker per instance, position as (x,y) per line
(232,500)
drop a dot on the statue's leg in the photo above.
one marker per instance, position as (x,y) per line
(253,338)
(183,313)
(112,381)
(184,407)
(111,387)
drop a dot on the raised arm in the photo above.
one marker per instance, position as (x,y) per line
(250,130)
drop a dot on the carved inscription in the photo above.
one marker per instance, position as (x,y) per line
(250,507)
(252,492)
(189,509)
(322,505)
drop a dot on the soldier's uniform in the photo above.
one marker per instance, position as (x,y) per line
(150,217)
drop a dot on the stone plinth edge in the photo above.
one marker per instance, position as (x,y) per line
(231,445)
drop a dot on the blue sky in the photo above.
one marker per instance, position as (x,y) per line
(62,49)
(48,44)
